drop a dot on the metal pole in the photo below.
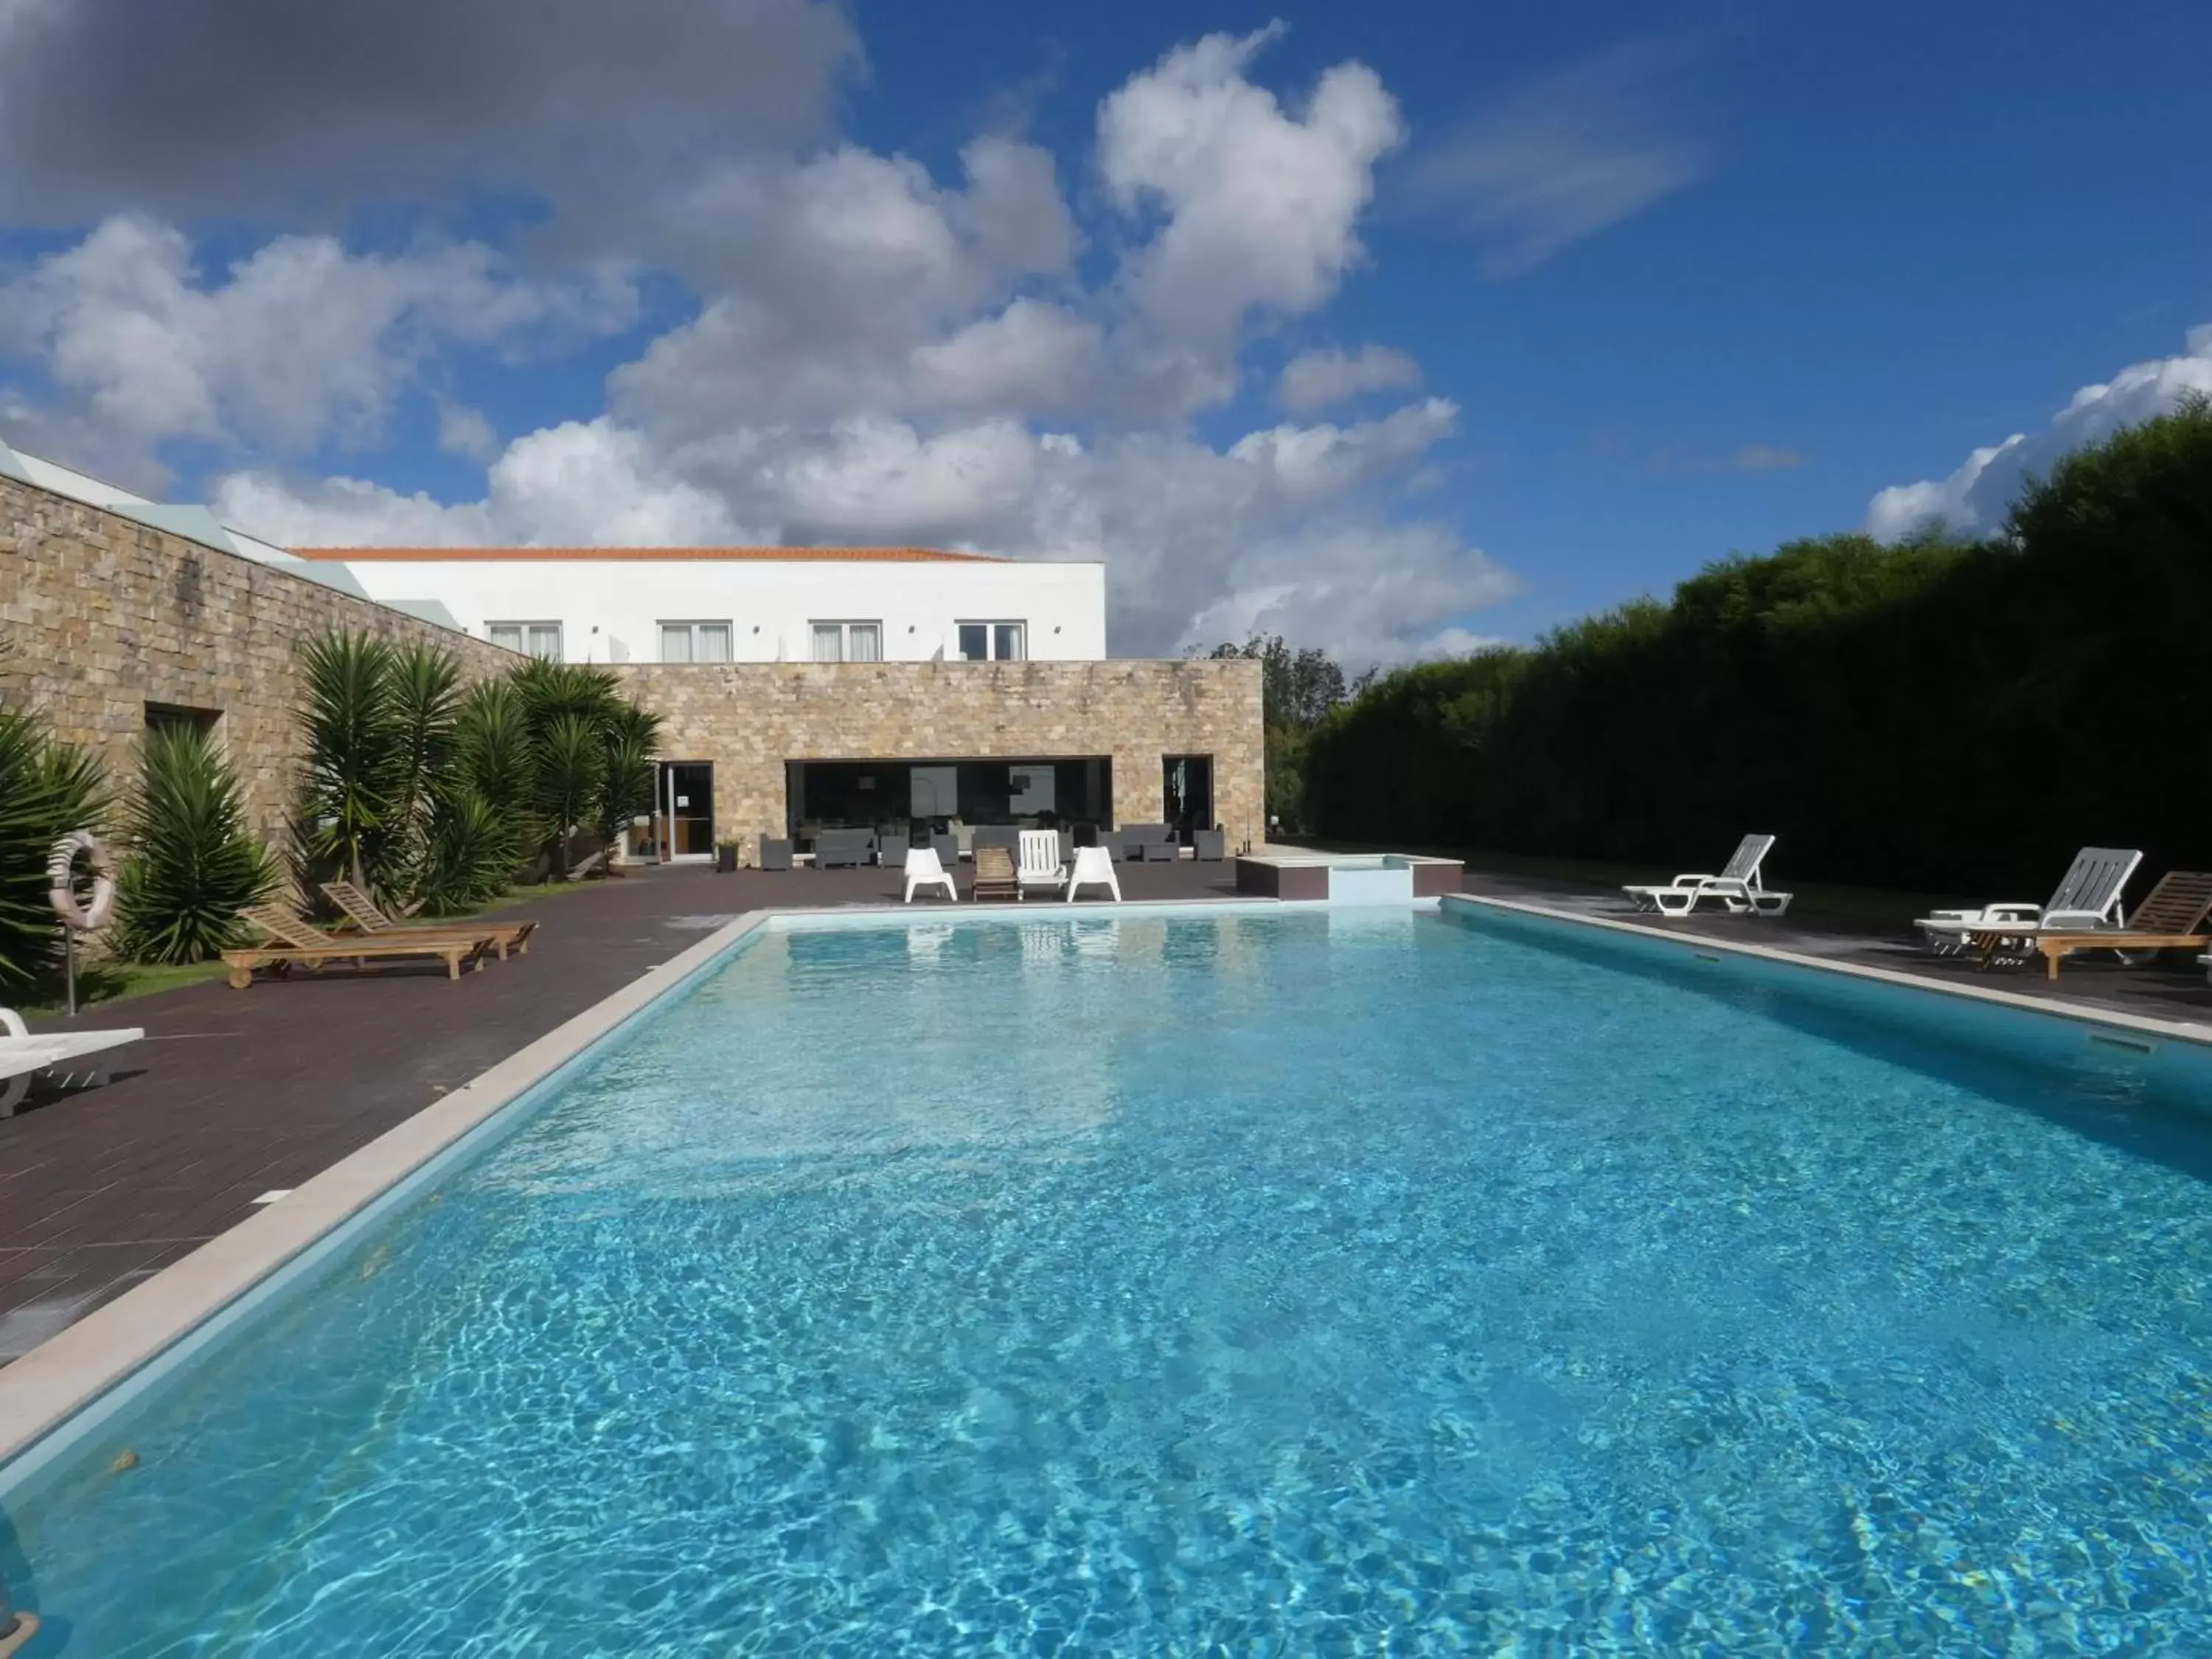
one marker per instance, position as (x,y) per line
(69,950)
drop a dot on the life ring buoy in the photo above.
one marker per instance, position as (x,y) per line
(61,881)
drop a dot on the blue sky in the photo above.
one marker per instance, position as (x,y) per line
(1581,296)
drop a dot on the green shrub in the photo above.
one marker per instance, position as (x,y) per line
(47,788)
(193,862)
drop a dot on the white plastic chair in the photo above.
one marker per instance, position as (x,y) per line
(1737,886)
(22,1055)
(1094,867)
(2087,897)
(1040,860)
(924,869)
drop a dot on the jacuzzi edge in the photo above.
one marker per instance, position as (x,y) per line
(86,1373)
(1692,943)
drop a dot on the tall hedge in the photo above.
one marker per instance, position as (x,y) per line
(1941,715)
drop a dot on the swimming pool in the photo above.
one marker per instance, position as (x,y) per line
(1242,1284)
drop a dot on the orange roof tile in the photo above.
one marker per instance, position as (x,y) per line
(835,555)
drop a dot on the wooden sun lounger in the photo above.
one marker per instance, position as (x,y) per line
(300,943)
(994,875)
(361,910)
(2171,918)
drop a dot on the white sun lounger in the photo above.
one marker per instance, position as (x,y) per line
(22,1055)
(1040,860)
(2087,897)
(1094,867)
(925,869)
(1737,886)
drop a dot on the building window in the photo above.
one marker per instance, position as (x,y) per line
(690,641)
(167,717)
(539,639)
(849,641)
(994,641)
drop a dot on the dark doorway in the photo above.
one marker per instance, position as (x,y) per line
(684,810)
(1187,794)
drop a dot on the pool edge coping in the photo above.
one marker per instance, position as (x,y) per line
(2173,1030)
(74,1369)
(98,1355)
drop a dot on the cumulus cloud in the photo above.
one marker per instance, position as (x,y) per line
(1200,543)
(238,107)
(1564,158)
(1315,379)
(878,353)
(298,343)
(1978,496)
(582,483)
(1262,203)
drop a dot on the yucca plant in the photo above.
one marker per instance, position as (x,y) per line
(47,788)
(194,861)
(348,817)
(496,755)
(472,856)
(633,735)
(424,686)
(572,764)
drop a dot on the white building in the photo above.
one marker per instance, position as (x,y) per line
(746,603)
(642,604)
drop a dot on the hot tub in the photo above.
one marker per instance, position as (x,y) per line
(1347,877)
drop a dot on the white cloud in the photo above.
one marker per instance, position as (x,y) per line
(1565,157)
(879,356)
(582,483)
(1262,203)
(1978,496)
(1200,544)
(300,341)
(1315,379)
(466,432)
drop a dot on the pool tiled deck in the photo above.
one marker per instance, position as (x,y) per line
(236,1095)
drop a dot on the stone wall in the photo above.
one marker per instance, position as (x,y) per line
(749,718)
(108,615)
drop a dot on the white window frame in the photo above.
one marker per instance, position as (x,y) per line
(844,628)
(991,627)
(729,639)
(524,630)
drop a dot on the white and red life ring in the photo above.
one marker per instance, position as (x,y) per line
(61,881)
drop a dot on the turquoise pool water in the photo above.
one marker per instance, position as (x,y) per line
(1291,1285)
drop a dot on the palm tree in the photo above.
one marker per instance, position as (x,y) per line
(47,788)
(196,862)
(572,765)
(351,797)
(632,737)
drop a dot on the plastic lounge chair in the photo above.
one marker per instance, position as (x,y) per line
(994,874)
(1209,846)
(361,910)
(2087,896)
(775,853)
(2171,917)
(1041,865)
(1094,867)
(1737,886)
(23,1056)
(925,869)
(301,943)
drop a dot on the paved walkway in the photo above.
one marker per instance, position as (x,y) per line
(237,1094)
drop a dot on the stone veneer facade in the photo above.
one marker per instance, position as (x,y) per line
(750,718)
(108,616)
